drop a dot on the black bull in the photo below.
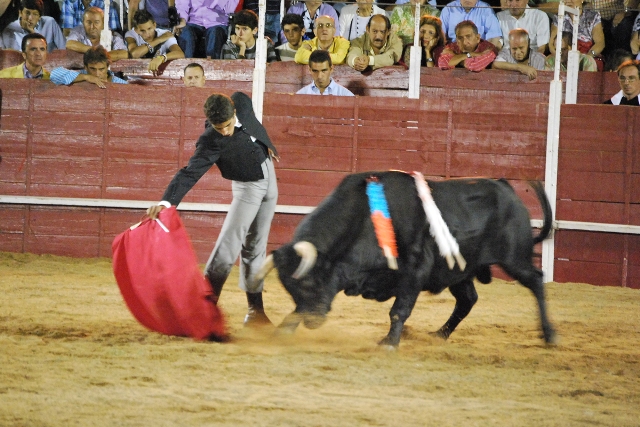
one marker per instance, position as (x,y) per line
(335,249)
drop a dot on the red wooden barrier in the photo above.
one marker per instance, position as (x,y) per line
(126,142)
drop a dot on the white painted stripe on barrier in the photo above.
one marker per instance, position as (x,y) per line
(135,204)
(287,209)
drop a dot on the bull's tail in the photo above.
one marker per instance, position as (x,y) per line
(546,210)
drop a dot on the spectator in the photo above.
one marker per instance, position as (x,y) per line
(34,52)
(87,35)
(147,41)
(472,10)
(376,48)
(590,35)
(432,40)
(635,37)
(194,75)
(519,56)
(242,44)
(469,50)
(73,13)
(629,78)
(271,19)
(30,21)
(402,19)
(520,15)
(325,30)
(203,26)
(320,68)
(354,18)
(10,10)
(617,22)
(164,12)
(311,11)
(616,58)
(96,70)
(586,62)
(293,29)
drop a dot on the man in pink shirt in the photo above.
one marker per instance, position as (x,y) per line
(468,51)
(202,30)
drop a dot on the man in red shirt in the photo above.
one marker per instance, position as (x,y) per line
(468,51)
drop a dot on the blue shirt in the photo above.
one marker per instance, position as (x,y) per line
(47,26)
(481,15)
(333,89)
(63,76)
(72,10)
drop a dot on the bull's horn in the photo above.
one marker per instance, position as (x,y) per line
(308,253)
(266,267)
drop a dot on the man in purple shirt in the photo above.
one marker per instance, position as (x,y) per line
(203,26)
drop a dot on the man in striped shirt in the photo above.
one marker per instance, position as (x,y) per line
(468,51)
(96,70)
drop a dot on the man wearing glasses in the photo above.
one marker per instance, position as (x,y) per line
(326,39)
(629,78)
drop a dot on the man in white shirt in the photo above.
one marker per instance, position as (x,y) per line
(519,15)
(148,41)
(320,67)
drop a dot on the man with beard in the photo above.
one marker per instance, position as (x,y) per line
(85,36)
(629,78)
(376,48)
(519,56)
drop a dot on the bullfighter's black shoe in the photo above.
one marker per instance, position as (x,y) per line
(256,315)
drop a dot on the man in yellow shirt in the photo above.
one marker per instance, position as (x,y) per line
(326,39)
(34,52)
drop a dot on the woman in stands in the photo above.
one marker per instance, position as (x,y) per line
(432,39)
(354,18)
(590,33)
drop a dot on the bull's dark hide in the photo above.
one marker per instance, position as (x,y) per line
(486,217)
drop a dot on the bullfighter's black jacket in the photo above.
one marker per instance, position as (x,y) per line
(238,157)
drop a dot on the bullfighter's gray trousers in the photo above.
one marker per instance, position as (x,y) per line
(245,231)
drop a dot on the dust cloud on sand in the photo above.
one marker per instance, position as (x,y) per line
(71,354)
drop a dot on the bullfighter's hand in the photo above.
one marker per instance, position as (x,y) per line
(154,210)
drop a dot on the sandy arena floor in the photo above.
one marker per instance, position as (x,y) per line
(71,354)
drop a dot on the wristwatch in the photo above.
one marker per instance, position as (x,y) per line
(429,59)
(151,49)
(593,53)
(468,55)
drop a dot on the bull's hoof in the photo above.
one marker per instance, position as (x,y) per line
(389,343)
(439,334)
(389,348)
(283,329)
